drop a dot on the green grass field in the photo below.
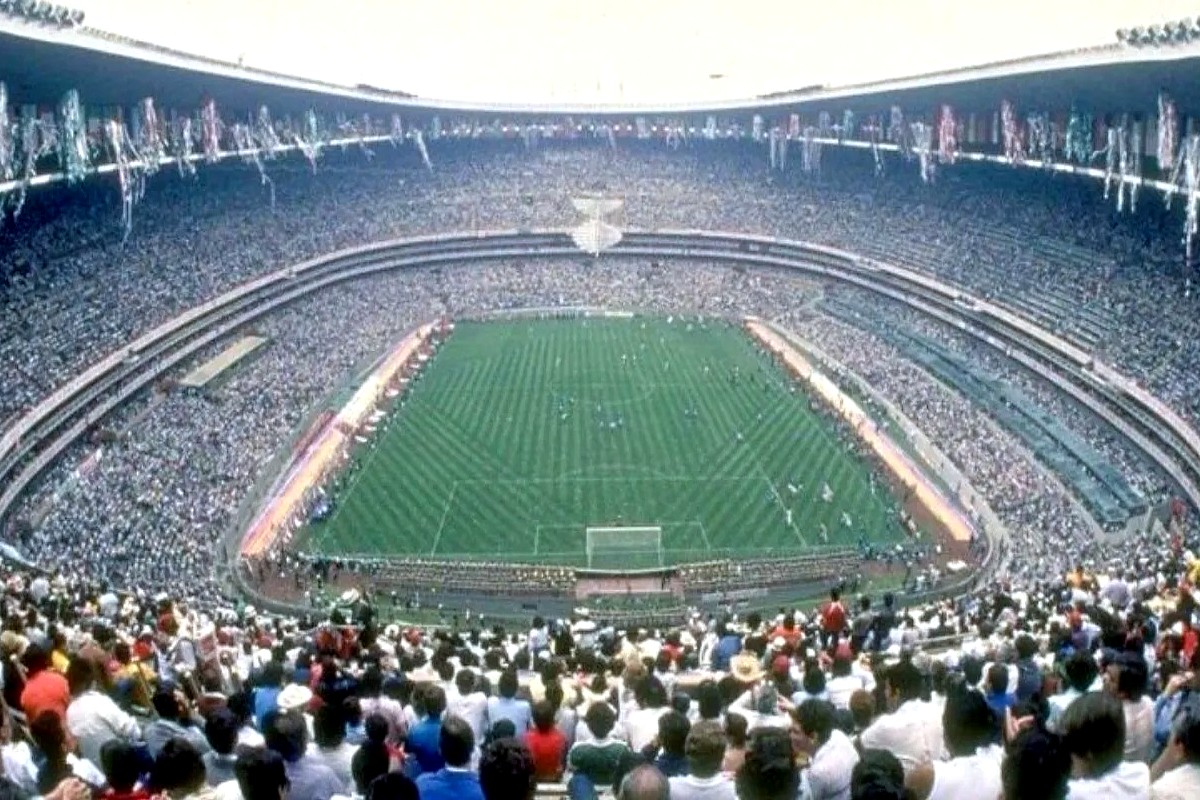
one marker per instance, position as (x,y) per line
(522,433)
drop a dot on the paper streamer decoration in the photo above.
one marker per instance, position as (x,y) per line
(419,141)
(1041,138)
(1168,132)
(264,134)
(130,174)
(810,160)
(147,136)
(922,137)
(8,152)
(397,130)
(74,151)
(1186,175)
(756,128)
(1014,142)
(210,131)
(847,129)
(947,136)
(874,132)
(37,139)
(243,141)
(825,124)
(1131,168)
(182,145)
(1077,146)
(898,132)
(1111,153)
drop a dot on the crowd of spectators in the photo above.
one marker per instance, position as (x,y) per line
(182,462)
(127,670)
(1084,686)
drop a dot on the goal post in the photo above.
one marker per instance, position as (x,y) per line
(624,547)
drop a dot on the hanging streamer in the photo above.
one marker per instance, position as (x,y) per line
(1041,138)
(1077,145)
(874,131)
(847,129)
(756,128)
(898,132)
(74,154)
(1168,132)
(811,157)
(1137,146)
(922,136)
(243,142)
(148,137)
(210,130)
(947,136)
(1186,176)
(1111,153)
(37,139)
(774,146)
(419,141)
(8,151)
(825,124)
(130,174)
(397,134)
(309,140)
(264,134)
(365,129)
(1014,142)
(182,145)
(783,153)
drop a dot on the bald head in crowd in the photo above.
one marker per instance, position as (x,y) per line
(645,783)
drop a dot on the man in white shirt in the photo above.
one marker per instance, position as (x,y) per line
(913,731)
(1177,771)
(833,754)
(1080,672)
(93,719)
(705,750)
(973,769)
(469,703)
(1094,733)
(845,682)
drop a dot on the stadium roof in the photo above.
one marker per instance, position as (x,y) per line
(39,64)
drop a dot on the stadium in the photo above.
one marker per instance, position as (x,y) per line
(300,375)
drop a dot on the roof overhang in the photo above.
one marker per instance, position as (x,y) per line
(40,63)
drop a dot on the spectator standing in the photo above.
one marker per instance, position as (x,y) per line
(833,755)
(1177,771)
(45,689)
(911,731)
(1094,733)
(221,732)
(93,718)
(973,770)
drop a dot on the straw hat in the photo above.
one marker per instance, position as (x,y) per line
(744,667)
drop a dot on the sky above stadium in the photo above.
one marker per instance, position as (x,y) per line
(619,51)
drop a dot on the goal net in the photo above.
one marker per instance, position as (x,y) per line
(624,548)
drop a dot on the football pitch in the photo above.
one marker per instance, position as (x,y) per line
(520,434)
